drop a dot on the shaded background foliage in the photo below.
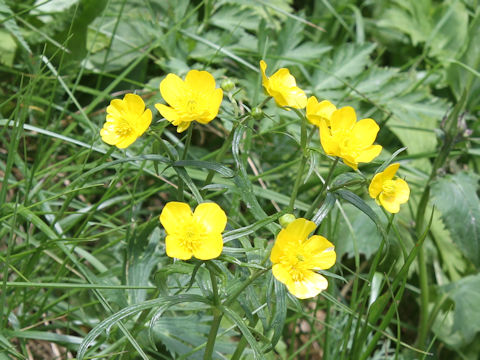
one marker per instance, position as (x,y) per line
(66,215)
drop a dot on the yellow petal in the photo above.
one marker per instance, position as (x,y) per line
(278,250)
(369,153)
(175,216)
(375,187)
(296,232)
(214,103)
(283,78)
(199,81)
(116,108)
(312,285)
(167,112)
(211,216)
(311,110)
(143,122)
(174,248)
(319,111)
(295,98)
(300,228)
(320,253)
(389,203)
(390,171)
(263,67)
(109,136)
(210,248)
(281,273)
(402,191)
(278,96)
(343,119)
(126,141)
(134,104)
(365,132)
(352,164)
(183,125)
(329,145)
(173,90)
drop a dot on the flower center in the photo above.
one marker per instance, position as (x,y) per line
(192,106)
(388,188)
(123,128)
(190,240)
(295,263)
(297,274)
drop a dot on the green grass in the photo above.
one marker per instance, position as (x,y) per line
(84,272)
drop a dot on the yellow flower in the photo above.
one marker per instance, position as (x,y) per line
(195,99)
(388,192)
(319,111)
(127,119)
(198,234)
(349,139)
(294,259)
(283,88)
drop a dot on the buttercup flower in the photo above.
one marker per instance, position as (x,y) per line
(198,234)
(127,120)
(388,192)
(319,111)
(349,139)
(195,99)
(294,259)
(283,88)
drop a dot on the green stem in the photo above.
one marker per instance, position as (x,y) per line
(239,350)
(319,198)
(162,144)
(212,336)
(221,154)
(181,184)
(424,298)
(298,180)
(217,316)
(188,141)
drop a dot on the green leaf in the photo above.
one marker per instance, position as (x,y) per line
(106,324)
(221,169)
(466,315)
(232,315)
(7,18)
(463,70)
(360,204)
(456,198)
(247,230)
(7,48)
(347,62)
(363,231)
(279,313)
(324,209)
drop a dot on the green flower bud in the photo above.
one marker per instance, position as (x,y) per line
(286,219)
(257,113)
(227,85)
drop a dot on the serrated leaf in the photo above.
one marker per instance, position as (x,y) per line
(456,198)
(347,62)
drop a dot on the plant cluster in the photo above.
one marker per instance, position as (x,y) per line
(164,194)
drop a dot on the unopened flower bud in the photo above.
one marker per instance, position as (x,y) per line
(257,113)
(227,85)
(286,219)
